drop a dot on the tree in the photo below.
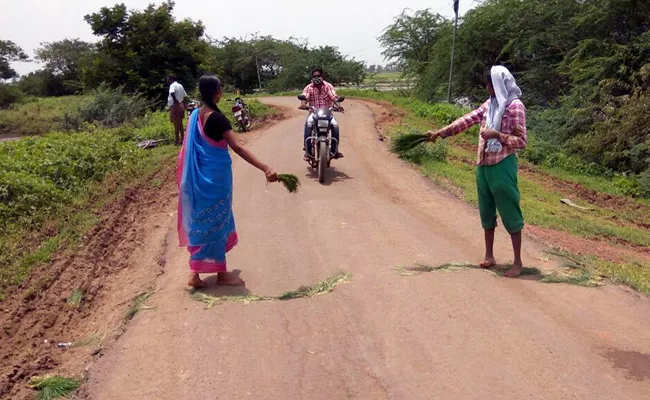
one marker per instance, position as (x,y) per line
(66,57)
(584,64)
(139,49)
(10,52)
(408,41)
(64,63)
(283,64)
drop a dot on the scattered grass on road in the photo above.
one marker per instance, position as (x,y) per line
(325,286)
(574,271)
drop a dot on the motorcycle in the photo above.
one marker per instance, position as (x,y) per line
(191,106)
(242,114)
(321,135)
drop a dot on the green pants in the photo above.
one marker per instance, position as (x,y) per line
(497,190)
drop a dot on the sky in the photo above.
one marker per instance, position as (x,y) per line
(351,25)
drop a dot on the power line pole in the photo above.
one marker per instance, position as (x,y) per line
(259,78)
(453,50)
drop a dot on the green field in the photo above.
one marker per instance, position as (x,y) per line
(36,116)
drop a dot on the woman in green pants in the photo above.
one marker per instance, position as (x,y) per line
(503,133)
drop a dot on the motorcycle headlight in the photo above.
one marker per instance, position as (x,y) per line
(323,123)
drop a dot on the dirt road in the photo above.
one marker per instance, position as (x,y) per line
(451,334)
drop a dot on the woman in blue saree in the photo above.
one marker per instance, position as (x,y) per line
(206,225)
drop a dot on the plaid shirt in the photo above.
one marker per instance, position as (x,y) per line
(320,97)
(513,131)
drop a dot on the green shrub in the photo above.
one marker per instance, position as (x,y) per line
(622,140)
(442,113)
(628,186)
(111,108)
(573,164)
(23,195)
(9,94)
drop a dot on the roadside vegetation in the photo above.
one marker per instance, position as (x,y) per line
(51,184)
(616,216)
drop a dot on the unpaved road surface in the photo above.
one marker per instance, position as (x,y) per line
(464,334)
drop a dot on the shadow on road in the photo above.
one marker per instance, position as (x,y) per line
(332,175)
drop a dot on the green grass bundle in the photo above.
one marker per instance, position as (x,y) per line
(53,387)
(408,141)
(290,182)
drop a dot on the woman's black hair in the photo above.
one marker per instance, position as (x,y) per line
(487,76)
(208,86)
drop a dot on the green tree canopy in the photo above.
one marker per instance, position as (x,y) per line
(586,62)
(282,64)
(138,49)
(10,52)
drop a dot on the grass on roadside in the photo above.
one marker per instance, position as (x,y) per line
(93,339)
(75,298)
(25,246)
(54,386)
(36,116)
(137,305)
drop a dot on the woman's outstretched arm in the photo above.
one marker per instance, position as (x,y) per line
(237,147)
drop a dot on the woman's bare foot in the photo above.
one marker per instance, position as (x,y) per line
(195,281)
(488,263)
(229,279)
(515,271)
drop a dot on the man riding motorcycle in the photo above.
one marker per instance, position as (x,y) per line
(320,94)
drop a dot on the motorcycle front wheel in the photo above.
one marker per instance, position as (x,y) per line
(242,125)
(322,161)
(248,121)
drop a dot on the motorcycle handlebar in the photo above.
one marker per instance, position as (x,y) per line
(336,108)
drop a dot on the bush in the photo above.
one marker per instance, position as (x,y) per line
(9,94)
(23,194)
(628,186)
(441,113)
(622,141)
(111,108)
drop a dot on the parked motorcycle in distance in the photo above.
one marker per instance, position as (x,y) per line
(192,105)
(242,114)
